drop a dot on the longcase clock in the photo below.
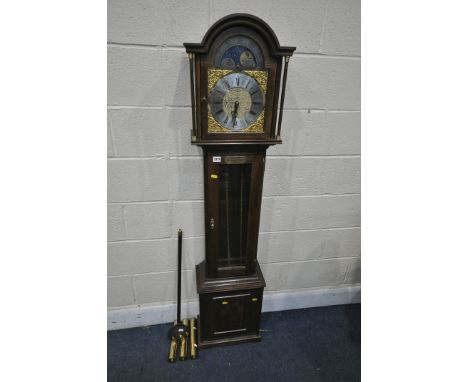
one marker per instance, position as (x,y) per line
(238,75)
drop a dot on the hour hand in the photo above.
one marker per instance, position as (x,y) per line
(234,113)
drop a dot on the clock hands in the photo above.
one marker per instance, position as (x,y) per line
(234,113)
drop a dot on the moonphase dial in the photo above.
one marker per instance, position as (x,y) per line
(236,101)
(238,52)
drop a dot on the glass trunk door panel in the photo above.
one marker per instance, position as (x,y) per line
(233,194)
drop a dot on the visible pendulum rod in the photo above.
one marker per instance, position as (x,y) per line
(179,266)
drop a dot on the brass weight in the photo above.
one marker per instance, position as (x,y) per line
(193,349)
(183,344)
(173,349)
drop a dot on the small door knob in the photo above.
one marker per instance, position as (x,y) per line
(212,224)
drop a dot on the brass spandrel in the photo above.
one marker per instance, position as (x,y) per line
(214,75)
(257,126)
(261,76)
(214,126)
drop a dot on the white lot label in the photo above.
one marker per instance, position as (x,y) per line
(216,159)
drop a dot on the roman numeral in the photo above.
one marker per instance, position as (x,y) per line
(255,92)
(237,81)
(226,120)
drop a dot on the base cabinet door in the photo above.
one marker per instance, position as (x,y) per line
(230,314)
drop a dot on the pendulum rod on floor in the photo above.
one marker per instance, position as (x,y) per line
(179,273)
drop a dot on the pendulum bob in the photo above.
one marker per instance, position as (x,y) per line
(178,335)
(179,331)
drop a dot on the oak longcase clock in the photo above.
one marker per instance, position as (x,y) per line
(238,76)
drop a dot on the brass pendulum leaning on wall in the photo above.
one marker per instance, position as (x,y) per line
(179,333)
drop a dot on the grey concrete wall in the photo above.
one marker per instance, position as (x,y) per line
(310,235)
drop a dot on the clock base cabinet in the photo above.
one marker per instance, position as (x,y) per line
(230,308)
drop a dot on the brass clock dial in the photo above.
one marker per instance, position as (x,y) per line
(236,101)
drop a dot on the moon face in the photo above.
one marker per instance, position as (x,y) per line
(228,63)
(245,56)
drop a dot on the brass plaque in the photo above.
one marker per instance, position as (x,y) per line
(235,159)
